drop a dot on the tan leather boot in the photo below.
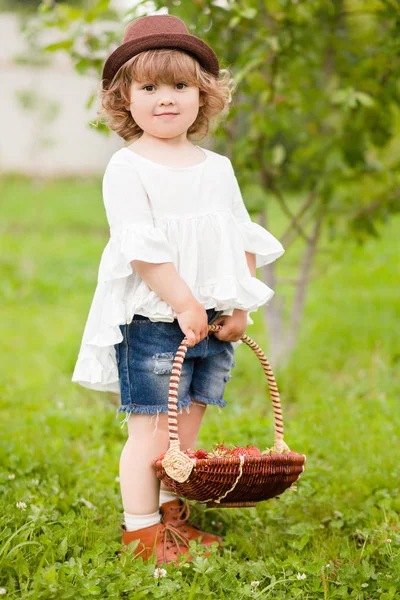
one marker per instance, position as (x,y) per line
(176,513)
(165,541)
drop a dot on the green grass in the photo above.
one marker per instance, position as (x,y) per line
(61,443)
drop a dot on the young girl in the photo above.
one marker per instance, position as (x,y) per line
(182,254)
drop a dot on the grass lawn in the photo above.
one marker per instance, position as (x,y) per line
(337,536)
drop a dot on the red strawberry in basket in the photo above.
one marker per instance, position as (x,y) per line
(190,453)
(248,451)
(201,453)
(239,451)
(220,450)
(253,451)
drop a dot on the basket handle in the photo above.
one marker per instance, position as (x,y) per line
(174,442)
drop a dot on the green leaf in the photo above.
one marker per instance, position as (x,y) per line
(234,21)
(90,101)
(62,45)
(50,575)
(94,12)
(273,43)
(364,99)
(62,548)
(248,12)
(278,154)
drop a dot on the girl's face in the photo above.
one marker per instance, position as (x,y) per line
(164,110)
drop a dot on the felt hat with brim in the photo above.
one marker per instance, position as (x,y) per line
(158,31)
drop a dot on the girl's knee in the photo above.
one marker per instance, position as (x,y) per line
(156,423)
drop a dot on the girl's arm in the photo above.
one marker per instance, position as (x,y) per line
(166,282)
(136,243)
(170,287)
(251,261)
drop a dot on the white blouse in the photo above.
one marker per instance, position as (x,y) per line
(191,216)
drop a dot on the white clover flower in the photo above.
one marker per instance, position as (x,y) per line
(117,479)
(255,584)
(388,541)
(301,576)
(87,503)
(21,505)
(328,566)
(35,481)
(3,591)
(159,573)
(11,476)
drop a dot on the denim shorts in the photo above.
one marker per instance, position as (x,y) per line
(145,358)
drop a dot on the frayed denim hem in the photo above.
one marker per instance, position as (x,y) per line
(205,400)
(152,410)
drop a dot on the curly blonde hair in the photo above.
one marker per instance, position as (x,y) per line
(168,66)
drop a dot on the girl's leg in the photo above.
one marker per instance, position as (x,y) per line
(188,428)
(139,483)
(177,513)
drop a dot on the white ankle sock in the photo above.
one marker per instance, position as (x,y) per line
(167,496)
(134,522)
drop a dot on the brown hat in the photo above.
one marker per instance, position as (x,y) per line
(158,31)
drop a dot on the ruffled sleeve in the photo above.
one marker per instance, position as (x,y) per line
(256,239)
(133,235)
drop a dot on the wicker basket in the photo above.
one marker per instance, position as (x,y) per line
(234,481)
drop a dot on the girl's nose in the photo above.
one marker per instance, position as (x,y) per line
(166,97)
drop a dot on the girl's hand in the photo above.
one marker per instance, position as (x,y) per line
(193,321)
(232,327)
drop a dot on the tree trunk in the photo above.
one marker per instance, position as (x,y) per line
(273,311)
(283,338)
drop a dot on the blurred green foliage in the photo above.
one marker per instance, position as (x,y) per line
(30,6)
(315,115)
(317,99)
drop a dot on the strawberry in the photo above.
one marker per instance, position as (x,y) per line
(239,451)
(253,451)
(190,453)
(220,450)
(201,453)
(248,451)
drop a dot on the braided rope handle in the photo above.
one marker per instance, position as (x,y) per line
(177,464)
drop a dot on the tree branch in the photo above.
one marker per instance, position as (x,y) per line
(301,289)
(371,208)
(268,182)
(285,238)
(286,210)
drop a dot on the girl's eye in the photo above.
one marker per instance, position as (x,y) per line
(151,85)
